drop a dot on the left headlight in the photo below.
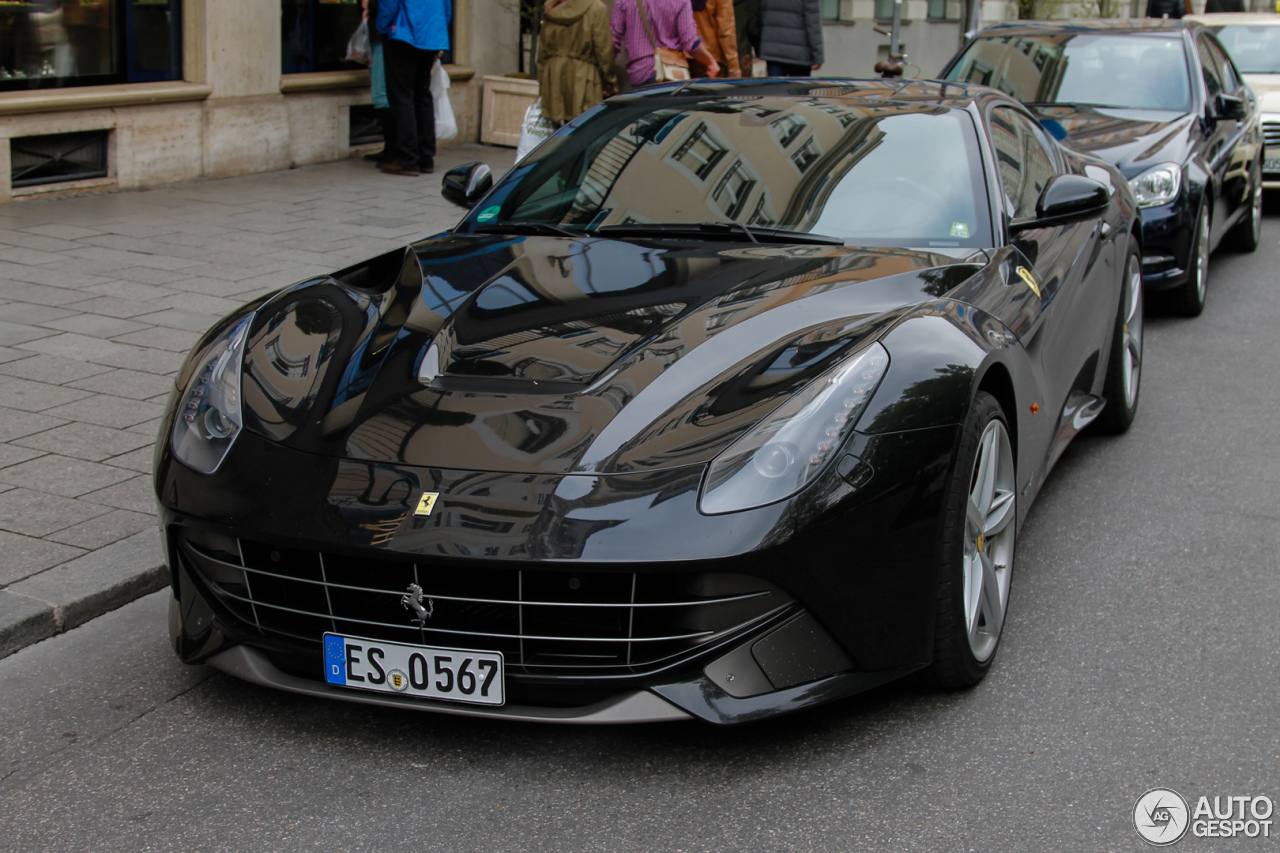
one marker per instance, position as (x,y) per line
(208,417)
(790,447)
(1158,185)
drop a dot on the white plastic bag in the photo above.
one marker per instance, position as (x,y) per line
(446,123)
(358,46)
(534,129)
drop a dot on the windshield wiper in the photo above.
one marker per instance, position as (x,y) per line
(527,228)
(712,229)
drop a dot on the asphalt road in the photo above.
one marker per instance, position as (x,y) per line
(1141,651)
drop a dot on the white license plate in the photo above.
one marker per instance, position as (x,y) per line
(1271,164)
(455,675)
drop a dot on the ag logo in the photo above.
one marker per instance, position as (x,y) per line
(398,680)
(1161,816)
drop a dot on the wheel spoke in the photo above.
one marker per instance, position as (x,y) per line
(974,596)
(992,606)
(1000,515)
(988,461)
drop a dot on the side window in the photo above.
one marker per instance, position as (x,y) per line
(1230,80)
(1209,67)
(1024,159)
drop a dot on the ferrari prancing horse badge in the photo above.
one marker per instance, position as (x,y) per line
(426,503)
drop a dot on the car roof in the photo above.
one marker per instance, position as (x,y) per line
(1222,19)
(1107,25)
(904,91)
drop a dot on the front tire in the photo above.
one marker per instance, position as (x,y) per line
(1188,299)
(976,551)
(1124,367)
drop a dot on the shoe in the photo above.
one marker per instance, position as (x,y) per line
(376,157)
(428,168)
(397,169)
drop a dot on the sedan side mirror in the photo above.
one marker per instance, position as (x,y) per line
(1066,197)
(467,184)
(1229,107)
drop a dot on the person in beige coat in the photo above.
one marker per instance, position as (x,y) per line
(575,59)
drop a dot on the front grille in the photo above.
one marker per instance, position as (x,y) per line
(1271,132)
(543,621)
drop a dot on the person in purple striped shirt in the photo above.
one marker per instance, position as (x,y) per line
(673,28)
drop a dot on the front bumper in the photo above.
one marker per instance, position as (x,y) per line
(854,607)
(1167,245)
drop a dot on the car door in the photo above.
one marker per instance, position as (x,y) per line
(1067,267)
(1224,138)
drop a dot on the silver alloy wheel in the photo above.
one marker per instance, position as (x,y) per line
(1132,332)
(988,542)
(1202,253)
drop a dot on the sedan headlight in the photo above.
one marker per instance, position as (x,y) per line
(791,446)
(208,418)
(1157,185)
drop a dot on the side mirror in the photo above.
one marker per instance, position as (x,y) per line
(1230,107)
(467,184)
(1066,197)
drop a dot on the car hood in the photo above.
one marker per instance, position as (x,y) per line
(555,355)
(1131,140)
(1267,88)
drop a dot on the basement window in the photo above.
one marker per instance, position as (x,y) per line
(58,157)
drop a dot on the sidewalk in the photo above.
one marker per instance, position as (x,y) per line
(101,297)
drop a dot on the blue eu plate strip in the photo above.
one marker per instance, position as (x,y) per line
(335,659)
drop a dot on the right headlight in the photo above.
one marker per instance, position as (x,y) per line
(1158,185)
(790,447)
(208,417)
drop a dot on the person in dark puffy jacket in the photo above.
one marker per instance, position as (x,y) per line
(791,37)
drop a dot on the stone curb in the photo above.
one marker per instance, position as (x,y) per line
(71,594)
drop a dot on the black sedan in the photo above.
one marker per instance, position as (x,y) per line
(728,400)
(1162,101)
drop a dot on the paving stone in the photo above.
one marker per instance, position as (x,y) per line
(138,460)
(12,454)
(8,354)
(26,555)
(132,291)
(176,318)
(12,334)
(53,369)
(105,410)
(173,340)
(27,240)
(33,257)
(23,621)
(114,306)
(150,427)
(15,424)
(133,384)
(100,581)
(34,513)
(35,396)
(96,326)
(104,529)
(49,284)
(63,475)
(32,315)
(135,494)
(112,354)
(86,441)
(65,232)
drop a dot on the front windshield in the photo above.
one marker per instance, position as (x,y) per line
(1254,49)
(863,171)
(1124,70)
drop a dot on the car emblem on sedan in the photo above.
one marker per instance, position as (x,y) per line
(412,600)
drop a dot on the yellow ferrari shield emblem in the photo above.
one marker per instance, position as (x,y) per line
(426,503)
(1030,279)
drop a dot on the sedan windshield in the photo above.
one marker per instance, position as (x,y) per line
(1124,70)
(1254,49)
(766,168)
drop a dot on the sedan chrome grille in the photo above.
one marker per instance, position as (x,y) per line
(548,621)
(1271,133)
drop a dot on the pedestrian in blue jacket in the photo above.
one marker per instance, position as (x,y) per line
(416,33)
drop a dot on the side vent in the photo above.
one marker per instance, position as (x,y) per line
(58,157)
